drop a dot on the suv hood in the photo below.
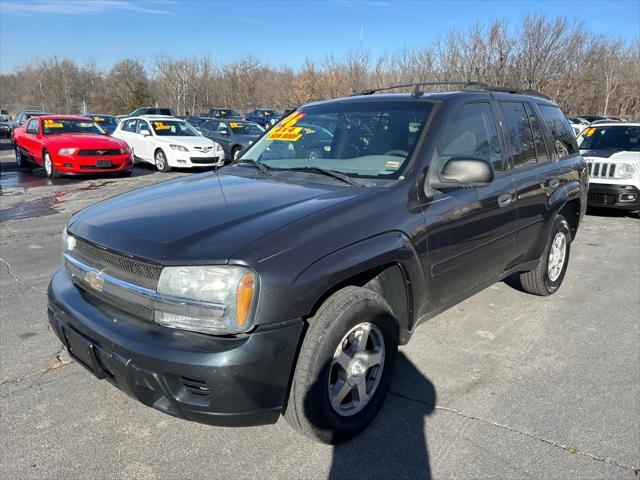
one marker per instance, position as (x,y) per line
(203,218)
(187,141)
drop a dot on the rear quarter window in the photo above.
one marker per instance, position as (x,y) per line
(563,137)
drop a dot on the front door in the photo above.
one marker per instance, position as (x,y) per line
(470,230)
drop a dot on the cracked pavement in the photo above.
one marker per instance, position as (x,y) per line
(504,385)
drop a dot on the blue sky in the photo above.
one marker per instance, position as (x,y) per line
(278,32)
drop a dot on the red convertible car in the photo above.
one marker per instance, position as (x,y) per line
(70,145)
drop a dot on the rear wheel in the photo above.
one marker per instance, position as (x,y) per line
(21,162)
(161,161)
(49,167)
(314,153)
(547,277)
(345,366)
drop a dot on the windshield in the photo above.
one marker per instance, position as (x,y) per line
(173,128)
(52,126)
(616,137)
(362,140)
(104,119)
(242,128)
(4,112)
(227,113)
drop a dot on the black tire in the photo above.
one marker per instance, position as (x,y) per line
(538,280)
(162,164)
(313,153)
(309,407)
(49,167)
(21,161)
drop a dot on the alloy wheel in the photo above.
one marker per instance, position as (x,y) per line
(557,255)
(356,369)
(48,167)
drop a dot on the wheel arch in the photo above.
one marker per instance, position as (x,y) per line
(391,269)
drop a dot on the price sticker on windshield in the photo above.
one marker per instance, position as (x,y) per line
(234,125)
(287,130)
(48,123)
(588,132)
(98,119)
(160,126)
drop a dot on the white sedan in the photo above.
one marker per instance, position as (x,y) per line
(169,142)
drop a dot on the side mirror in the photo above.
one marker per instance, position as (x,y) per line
(224,132)
(465,173)
(145,133)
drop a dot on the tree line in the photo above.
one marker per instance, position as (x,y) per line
(584,72)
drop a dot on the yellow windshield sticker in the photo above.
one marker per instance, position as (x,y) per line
(392,164)
(286,130)
(48,123)
(161,126)
(588,132)
(308,130)
(98,119)
(235,125)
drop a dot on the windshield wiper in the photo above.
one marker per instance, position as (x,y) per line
(260,166)
(328,173)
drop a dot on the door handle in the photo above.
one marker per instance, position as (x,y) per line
(554,183)
(505,200)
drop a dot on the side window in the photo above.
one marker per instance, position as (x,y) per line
(538,138)
(518,130)
(33,127)
(222,126)
(130,125)
(212,125)
(471,133)
(563,137)
(142,125)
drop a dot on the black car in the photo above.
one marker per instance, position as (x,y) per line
(5,116)
(222,113)
(197,121)
(108,122)
(284,285)
(22,117)
(5,129)
(234,135)
(152,111)
(264,117)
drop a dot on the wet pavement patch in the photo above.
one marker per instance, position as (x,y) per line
(34,208)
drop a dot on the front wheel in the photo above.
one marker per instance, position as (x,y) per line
(49,167)
(547,277)
(161,161)
(345,366)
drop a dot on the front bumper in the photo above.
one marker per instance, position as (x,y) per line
(91,165)
(608,195)
(193,158)
(227,381)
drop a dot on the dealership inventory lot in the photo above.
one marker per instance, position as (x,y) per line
(503,385)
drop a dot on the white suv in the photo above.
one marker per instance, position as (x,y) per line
(612,152)
(169,142)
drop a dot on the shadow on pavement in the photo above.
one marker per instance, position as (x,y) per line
(395,444)
(610,212)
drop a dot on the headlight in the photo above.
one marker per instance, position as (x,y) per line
(625,170)
(67,151)
(179,148)
(232,289)
(125,150)
(68,242)
(216,147)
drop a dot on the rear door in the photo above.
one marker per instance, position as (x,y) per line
(535,174)
(471,230)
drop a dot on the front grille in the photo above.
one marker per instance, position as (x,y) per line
(140,311)
(97,167)
(135,271)
(601,170)
(204,159)
(99,153)
(203,149)
(601,199)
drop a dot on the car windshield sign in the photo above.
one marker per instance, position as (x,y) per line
(361,140)
(615,137)
(52,126)
(104,119)
(241,128)
(173,128)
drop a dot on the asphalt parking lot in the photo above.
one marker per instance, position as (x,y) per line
(505,385)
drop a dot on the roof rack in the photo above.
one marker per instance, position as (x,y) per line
(467,86)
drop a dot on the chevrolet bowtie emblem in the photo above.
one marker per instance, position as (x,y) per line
(93,279)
